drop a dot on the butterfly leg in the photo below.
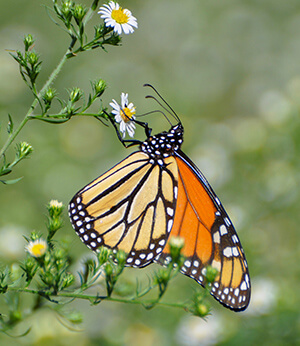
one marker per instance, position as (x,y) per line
(129,143)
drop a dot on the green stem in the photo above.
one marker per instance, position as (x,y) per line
(50,80)
(27,117)
(99,298)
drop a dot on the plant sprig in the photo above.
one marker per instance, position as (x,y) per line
(74,18)
(46,274)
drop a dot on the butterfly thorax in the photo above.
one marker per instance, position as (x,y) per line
(163,144)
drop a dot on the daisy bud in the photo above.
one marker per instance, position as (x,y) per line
(108,269)
(28,41)
(121,257)
(79,12)
(75,95)
(176,244)
(68,280)
(23,149)
(201,310)
(55,208)
(211,274)
(49,95)
(32,58)
(66,8)
(99,87)
(103,255)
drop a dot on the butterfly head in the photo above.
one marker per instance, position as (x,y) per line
(163,144)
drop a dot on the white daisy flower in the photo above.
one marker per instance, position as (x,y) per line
(55,204)
(37,248)
(123,114)
(118,18)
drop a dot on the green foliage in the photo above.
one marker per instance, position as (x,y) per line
(46,274)
(75,18)
(233,73)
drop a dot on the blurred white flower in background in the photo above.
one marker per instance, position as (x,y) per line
(275,108)
(12,242)
(80,268)
(263,297)
(194,331)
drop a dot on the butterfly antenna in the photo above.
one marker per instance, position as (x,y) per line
(156,111)
(173,113)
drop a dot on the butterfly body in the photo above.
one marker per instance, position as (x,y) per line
(153,194)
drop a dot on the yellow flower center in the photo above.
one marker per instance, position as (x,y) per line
(38,250)
(128,114)
(119,16)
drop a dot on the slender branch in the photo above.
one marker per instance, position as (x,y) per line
(28,116)
(133,300)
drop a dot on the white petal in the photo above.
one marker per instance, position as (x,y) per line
(131,106)
(127,12)
(130,131)
(133,22)
(122,126)
(115,105)
(118,118)
(109,22)
(126,28)
(124,100)
(118,28)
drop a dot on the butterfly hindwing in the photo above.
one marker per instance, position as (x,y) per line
(210,238)
(130,208)
(155,193)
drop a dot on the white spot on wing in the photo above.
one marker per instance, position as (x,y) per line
(216,237)
(170,224)
(227,221)
(235,239)
(162,242)
(227,252)
(150,256)
(170,211)
(235,251)
(243,286)
(187,263)
(175,191)
(223,230)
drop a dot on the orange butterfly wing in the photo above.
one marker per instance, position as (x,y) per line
(130,208)
(210,238)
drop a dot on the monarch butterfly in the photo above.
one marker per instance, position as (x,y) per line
(158,192)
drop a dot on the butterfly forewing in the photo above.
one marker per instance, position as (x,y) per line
(210,238)
(130,208)
(152,194)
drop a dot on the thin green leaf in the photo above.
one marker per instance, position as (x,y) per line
(10,125)
(10,182)
(52,120)
(4,171)
(17,336)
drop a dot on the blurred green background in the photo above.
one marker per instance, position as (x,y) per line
(231,70)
